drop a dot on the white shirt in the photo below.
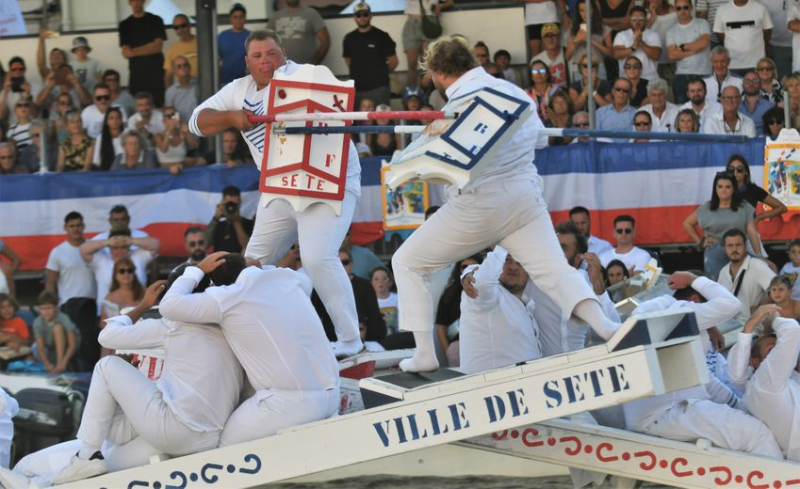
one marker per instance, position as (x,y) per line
(513,159)
(773,394)
(781,35)
(269,322)
(135,233)
(93,119)
(103,266)
(665,123)
(709,108)
(497,329)
(201,380)
(559,334)
(243,93)
(714,89)
(649,37)
(743,28)
(721,305)
(541,13)
(794,273)
(153,126)
(75,276)
(636,258)
(794,14)
(716,124)
(754,285)
(599,246)
(698,63)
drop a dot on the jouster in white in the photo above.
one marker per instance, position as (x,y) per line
(497,327)
(690,414)
(501,202)
(183,412)
(773,393)
(278,225)
(277,336)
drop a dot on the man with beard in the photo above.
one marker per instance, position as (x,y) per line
(745,277)
(753,104)
(195,241)
(696,92)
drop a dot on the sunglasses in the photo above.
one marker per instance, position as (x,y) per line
(764,68)
(24,106)
(624,231)
(619,89)
(181,65)
(200,242)
(641,124)
(580,124)
(774,122)
(736,169)
(685,7)
(638,19)
(126,271)
(632,66)
(538,71)
(345,262)
(362,15)
(101,98)
(181,26)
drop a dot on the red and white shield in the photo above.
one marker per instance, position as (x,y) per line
(310,168)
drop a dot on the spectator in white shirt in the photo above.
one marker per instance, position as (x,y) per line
(635,258)
(580,217)
(746,277)
(639,41)
(745,28)
(147,121)
(662,112)
(730,120)
(704,108)
(94,115)
(793,24)
(687,45)
(721,76)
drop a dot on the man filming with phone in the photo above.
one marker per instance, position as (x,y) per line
(228,230)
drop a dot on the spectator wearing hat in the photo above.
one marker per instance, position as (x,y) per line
(185,46)
(538,14)
(303,33)
(230,45)
(141,38)
(370,54)
(553,54)
(86,69)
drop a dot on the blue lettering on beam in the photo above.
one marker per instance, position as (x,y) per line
(496,405)
(592,384)
(481,128)
(410,427)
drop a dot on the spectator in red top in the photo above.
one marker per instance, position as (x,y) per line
(13,330)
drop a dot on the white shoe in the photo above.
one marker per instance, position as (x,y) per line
(12,480)
(79,469)
(344,349)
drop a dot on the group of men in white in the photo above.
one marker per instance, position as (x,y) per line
(530,298)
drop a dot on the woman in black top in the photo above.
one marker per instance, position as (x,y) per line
(752,193)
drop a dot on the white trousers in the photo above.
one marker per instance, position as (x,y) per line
(512,213)
(117,385)
(269,411)
(725,426)
(320,232)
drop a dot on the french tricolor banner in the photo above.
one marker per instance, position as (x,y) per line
(658,183)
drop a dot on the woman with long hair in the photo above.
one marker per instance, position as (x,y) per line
(726,210)
(580,91)
(687,121)
(770,86)
(125,290)
(633,72)
(774,121)
(449,311)
(541,87)
(109,145)
(575,42)
(173,145)
(559,114)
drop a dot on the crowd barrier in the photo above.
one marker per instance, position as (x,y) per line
(658,183)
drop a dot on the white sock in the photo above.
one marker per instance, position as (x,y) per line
(424,359)
(590,311)
(86,451)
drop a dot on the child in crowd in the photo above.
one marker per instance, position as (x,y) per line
(382,282)
(86,69)
(502,58)
(57,338)
(792,267)
(13,330)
